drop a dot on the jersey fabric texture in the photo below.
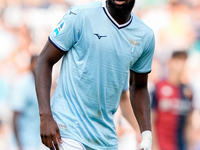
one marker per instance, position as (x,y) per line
(172,105)
(25,102)
(95,71)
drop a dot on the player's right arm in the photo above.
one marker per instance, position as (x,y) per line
(60,41)
(43,73)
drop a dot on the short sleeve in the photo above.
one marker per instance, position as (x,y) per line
(126,84)
(67,31)
(144,62)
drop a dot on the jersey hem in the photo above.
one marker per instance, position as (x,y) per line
(125,89)
(141,72)
(84,143)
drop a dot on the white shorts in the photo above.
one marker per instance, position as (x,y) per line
(69,144)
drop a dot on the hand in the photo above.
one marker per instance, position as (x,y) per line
(49,132)
(146,140)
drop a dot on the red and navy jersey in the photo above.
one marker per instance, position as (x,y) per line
(172,104)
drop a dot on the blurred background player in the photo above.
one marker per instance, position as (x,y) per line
(25,112)
(171,103)
(127,128)
(5,114)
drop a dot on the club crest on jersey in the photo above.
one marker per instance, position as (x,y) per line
(133,45)
(59,28)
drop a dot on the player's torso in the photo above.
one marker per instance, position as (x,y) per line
(93,74)
(173,105)
(107,43)
(107,49)
(106,53)
(173,99)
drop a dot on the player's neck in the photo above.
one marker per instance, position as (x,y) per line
(174,79)
(119,16)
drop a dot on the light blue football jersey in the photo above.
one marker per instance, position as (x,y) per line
(94,71)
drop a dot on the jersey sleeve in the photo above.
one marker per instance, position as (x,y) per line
(67,31)
(126,84)
(144,62)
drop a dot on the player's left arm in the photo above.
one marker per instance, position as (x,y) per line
(140,102)
(139,94)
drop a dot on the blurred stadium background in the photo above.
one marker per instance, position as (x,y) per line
(26,24)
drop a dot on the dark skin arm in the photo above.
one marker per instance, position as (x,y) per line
(43,75)
(140,100)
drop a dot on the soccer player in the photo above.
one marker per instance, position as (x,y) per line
(25,107)
(172,103)
(99,42)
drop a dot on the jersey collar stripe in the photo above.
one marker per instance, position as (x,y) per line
(112,19)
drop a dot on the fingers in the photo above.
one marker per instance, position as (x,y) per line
(50,142)
(58,136)
(146,143)
(49,132)
(44,140)
(55,144)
